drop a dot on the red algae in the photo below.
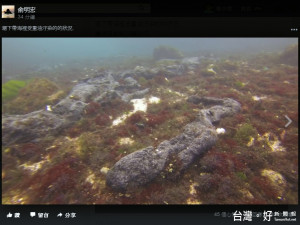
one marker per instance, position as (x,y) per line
(102,120)
(154,120)
(92,108)
(264,187)
(54,184)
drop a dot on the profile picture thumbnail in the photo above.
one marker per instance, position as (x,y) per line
(8,11)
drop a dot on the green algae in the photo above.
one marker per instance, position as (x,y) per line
(33,96)
(85,146)
(11,89)
(142,81)
(239,84)
(241,175)
(244,133)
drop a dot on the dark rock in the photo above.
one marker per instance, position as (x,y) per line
(124,74)
(127,173)
(138,94)
(167,70)
(128,85)
(173,70)
(69,108)
(205,100)
(194,99)
(223,107)
(198,137)
(141,167)
(145,72)
(166,52)
(108,95)
(42,123)
(168,67)
(200,144)
(131,83)
(23,128)
(83,91)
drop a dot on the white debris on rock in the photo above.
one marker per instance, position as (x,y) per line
(154,100)
(119,120)
(256,98)
(220,131)
(48,108)
(139,104)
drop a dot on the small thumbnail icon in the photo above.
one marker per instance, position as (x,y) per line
(59,214)
(17,215)
(9,215)
(8,11)
(32,214)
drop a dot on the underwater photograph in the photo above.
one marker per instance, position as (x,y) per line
(152,121)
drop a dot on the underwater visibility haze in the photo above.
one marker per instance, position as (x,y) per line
(150,121)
